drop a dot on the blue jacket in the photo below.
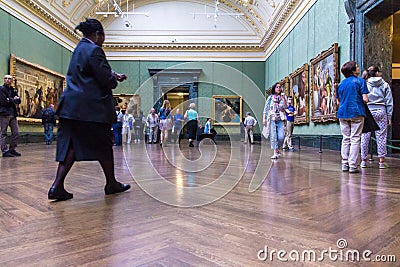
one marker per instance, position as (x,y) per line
(90,80)
(350,93)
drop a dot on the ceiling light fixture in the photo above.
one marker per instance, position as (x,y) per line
(117,11)
(216,13)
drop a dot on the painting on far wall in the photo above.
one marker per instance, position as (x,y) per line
(38,87)
(299,91)
(227,110)
(129,102)
(324,78)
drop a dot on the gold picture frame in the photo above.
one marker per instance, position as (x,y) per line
(299,91)
(285,85)
(227,110)
(324,78)
(37,86)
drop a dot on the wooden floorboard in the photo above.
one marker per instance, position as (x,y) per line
(305,203)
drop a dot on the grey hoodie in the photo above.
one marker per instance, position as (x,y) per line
(380,95)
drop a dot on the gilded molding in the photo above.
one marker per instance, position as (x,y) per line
(277,25)
(66,2)
(266,32)
(50,20)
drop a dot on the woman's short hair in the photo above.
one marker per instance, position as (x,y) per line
(349,68)
(89,27)
(192,105)
(273,88)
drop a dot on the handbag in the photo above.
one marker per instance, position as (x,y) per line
(370,124)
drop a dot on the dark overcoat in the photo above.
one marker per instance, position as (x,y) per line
(90,80)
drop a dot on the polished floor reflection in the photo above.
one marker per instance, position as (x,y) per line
(224,205)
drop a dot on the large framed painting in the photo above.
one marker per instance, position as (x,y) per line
(129,102)
(299,91)
(227,110)
(285,85)
(324,78)
(37,86)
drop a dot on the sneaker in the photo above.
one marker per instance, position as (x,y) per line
(353,170)
(363,164)
(15,153)
(291,149)
(383,165)
(274,156)
(7,154)
(345,168)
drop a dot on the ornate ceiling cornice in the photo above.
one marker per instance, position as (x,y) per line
(276,25)
(47,17)
(267,29)
(183,47)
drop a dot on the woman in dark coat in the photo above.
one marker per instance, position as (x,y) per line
(86,112)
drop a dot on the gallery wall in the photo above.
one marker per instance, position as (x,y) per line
(323,25)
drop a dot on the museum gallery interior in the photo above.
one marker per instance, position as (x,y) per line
(223,202)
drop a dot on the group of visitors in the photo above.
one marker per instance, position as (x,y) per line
(351,95)
(87,106)
(164,122)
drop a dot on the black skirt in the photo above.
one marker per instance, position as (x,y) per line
(191,127)
(89,140)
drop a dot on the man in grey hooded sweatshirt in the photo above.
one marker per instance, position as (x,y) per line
(381,106)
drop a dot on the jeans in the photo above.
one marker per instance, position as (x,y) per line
(277,134)
(117,129)
(48,132)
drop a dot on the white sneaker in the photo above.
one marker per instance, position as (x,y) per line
(275,156)
(383,165)
(363,164)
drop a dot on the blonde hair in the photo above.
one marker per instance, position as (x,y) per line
(166,104)
(192,105)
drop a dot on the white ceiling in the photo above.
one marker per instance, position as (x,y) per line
(171,25)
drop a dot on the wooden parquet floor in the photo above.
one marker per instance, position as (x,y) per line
(199,207)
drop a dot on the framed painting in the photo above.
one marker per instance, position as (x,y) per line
(227,110)
(37,86)
(129,102)
(299,91)
(324,78)
(268,93)
(285,85)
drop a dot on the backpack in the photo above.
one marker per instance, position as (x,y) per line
(48,115)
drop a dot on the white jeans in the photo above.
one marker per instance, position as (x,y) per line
(351,143)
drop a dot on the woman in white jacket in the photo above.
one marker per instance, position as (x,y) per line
(381,106)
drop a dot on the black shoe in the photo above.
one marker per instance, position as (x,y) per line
(15,153)
(120,187)
(191,145)
(8,154)
(59,195)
